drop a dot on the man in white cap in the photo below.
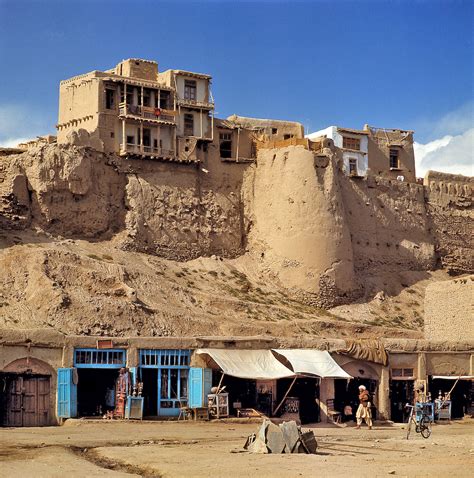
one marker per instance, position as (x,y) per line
(364,412)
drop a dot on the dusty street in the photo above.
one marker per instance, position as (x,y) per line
(187,449)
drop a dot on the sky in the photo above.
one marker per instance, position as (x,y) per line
(394,64)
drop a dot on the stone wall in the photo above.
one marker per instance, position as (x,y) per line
(449,310)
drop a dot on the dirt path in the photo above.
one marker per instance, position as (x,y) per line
(187,449)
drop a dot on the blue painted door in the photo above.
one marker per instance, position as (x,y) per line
(200,383)
(172,391)
(67,393)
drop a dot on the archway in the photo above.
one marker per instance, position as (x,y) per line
(25,388)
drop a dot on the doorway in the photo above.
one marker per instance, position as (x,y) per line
(346,393)
(92,387)
(24,400)
(306,389)
(401,393)
(164,373)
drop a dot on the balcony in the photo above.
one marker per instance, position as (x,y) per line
(206,105)
(147,113)
(147,151)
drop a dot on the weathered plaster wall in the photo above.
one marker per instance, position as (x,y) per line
(450,209)
(388,224)
(296,221)
(449,310)
(380,143)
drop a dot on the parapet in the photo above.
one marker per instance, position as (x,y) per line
(138,68)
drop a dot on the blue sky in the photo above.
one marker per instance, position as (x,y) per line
(406,64)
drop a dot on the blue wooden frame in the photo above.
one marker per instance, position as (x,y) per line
(66,393)
(100,358)
(168,361)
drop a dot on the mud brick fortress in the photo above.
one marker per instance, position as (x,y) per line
(126,229)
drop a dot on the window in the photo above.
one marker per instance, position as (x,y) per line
(190,90)
(130,139)
(225,145)
(394,163)
(188,125)
(146,97)
(146,137)
(351,143)
(92,358)
(112,135)
(165,100)
(402,373)
(288,136)
(274,130)
(352,167)
(110,99)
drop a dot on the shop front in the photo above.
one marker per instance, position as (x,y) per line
(164,374)
(97,374)
(89,388)
(346,392)
(278,382)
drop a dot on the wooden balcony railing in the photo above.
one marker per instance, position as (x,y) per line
(147,112)
(195,103)
(140,149)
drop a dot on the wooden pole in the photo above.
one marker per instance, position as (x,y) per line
(237,149)
(220,383)
(286,394)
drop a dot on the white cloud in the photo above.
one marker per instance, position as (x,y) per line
(448,154)
(12,142)
(18,123)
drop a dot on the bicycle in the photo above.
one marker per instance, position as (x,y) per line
(423,426)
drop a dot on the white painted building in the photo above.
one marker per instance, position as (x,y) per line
(354,145)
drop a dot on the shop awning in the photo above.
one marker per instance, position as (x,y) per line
(252,364)
(313,362)
(454,377)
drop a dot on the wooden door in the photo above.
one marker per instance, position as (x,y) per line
(28,403)
(14,412)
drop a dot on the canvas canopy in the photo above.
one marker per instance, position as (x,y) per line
(253,364)
(454,377)
(313,362)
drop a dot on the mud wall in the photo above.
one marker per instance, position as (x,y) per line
(450,210)
(449,310)
(388,223)
(184,211)
(178,211)
(297,223)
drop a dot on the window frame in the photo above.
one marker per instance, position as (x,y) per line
(190,89)
(349,142)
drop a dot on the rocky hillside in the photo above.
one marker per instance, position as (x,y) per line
(97,245)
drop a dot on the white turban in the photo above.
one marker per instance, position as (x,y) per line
(362,387)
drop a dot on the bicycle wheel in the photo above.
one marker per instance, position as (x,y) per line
(425,427)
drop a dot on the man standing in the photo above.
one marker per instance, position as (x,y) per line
(364,412)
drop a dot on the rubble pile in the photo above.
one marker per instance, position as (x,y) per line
(284,438)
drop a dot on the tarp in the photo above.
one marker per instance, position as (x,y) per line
(313,362)
(366,349)
(253,364)
(454,377)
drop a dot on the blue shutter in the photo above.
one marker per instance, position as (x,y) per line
(200,383)
(195,388)
(207,380)
(67,393)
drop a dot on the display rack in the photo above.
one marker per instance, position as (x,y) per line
(443,409)
(218,405)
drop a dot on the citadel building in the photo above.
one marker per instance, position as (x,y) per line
(319,212)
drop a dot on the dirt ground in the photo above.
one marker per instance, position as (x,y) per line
(187,449)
